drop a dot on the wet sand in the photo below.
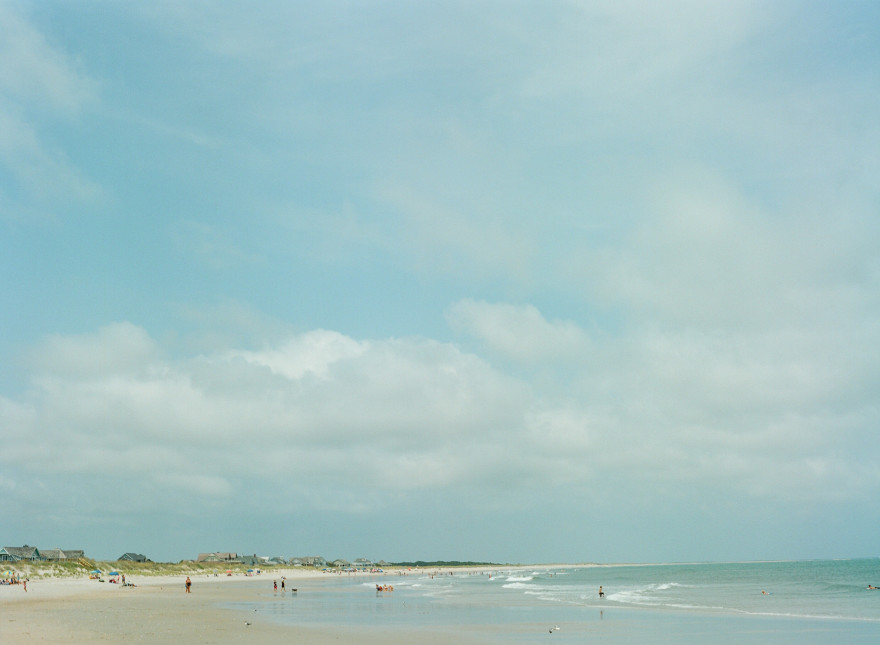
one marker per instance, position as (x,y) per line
(157,610)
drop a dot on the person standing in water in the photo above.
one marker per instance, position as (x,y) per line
(601,593)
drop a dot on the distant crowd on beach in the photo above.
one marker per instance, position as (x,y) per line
(14,579)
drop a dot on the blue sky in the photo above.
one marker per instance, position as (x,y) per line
(520,282)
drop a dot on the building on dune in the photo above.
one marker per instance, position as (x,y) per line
(218,556)
(33,554)
(21,553)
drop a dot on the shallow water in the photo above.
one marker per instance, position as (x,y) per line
(806,602)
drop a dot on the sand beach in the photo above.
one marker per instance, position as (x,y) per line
(808,603)
(158,610)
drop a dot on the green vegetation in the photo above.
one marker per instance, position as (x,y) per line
(83,566)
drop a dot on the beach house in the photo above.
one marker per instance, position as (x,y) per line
(132,557)
(62,554)
(19,553)
(312,561)
(218,556)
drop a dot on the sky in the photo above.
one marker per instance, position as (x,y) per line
(494,281)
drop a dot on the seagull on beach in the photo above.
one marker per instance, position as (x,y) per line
(247,624)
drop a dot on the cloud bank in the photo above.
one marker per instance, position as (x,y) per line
(450,274)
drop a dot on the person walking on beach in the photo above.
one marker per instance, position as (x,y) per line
(188,584)
(275,584)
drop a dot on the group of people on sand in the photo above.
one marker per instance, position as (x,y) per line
(14,579)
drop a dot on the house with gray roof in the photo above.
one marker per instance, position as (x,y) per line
(62,554)
(312,561)
(20,553)
(218,556)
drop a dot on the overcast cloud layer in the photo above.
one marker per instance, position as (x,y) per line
(529,282)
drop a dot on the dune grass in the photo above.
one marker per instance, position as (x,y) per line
(82,567)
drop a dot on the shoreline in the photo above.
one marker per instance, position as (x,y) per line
(158,610)
(56,586)
(334,607)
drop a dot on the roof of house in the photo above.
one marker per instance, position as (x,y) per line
(216,556)
(22,551)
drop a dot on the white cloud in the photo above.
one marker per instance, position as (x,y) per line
(207,485)
(113,349)
(706,254)
(37,82)
(34,71)
(519,332)
(392,415)
(438,234)
(380,420)
(311,353)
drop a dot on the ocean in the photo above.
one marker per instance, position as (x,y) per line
(808,602)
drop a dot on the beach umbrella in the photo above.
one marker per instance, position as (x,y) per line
(95,571)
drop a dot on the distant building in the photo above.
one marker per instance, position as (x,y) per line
(313,561)
(62,554)
(132,557)
(20,553)
(250,560)
(362,563)
(218,557)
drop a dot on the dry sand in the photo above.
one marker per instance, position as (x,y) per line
(157,610)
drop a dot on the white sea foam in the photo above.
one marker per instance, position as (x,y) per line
(666,585)
(520,578)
